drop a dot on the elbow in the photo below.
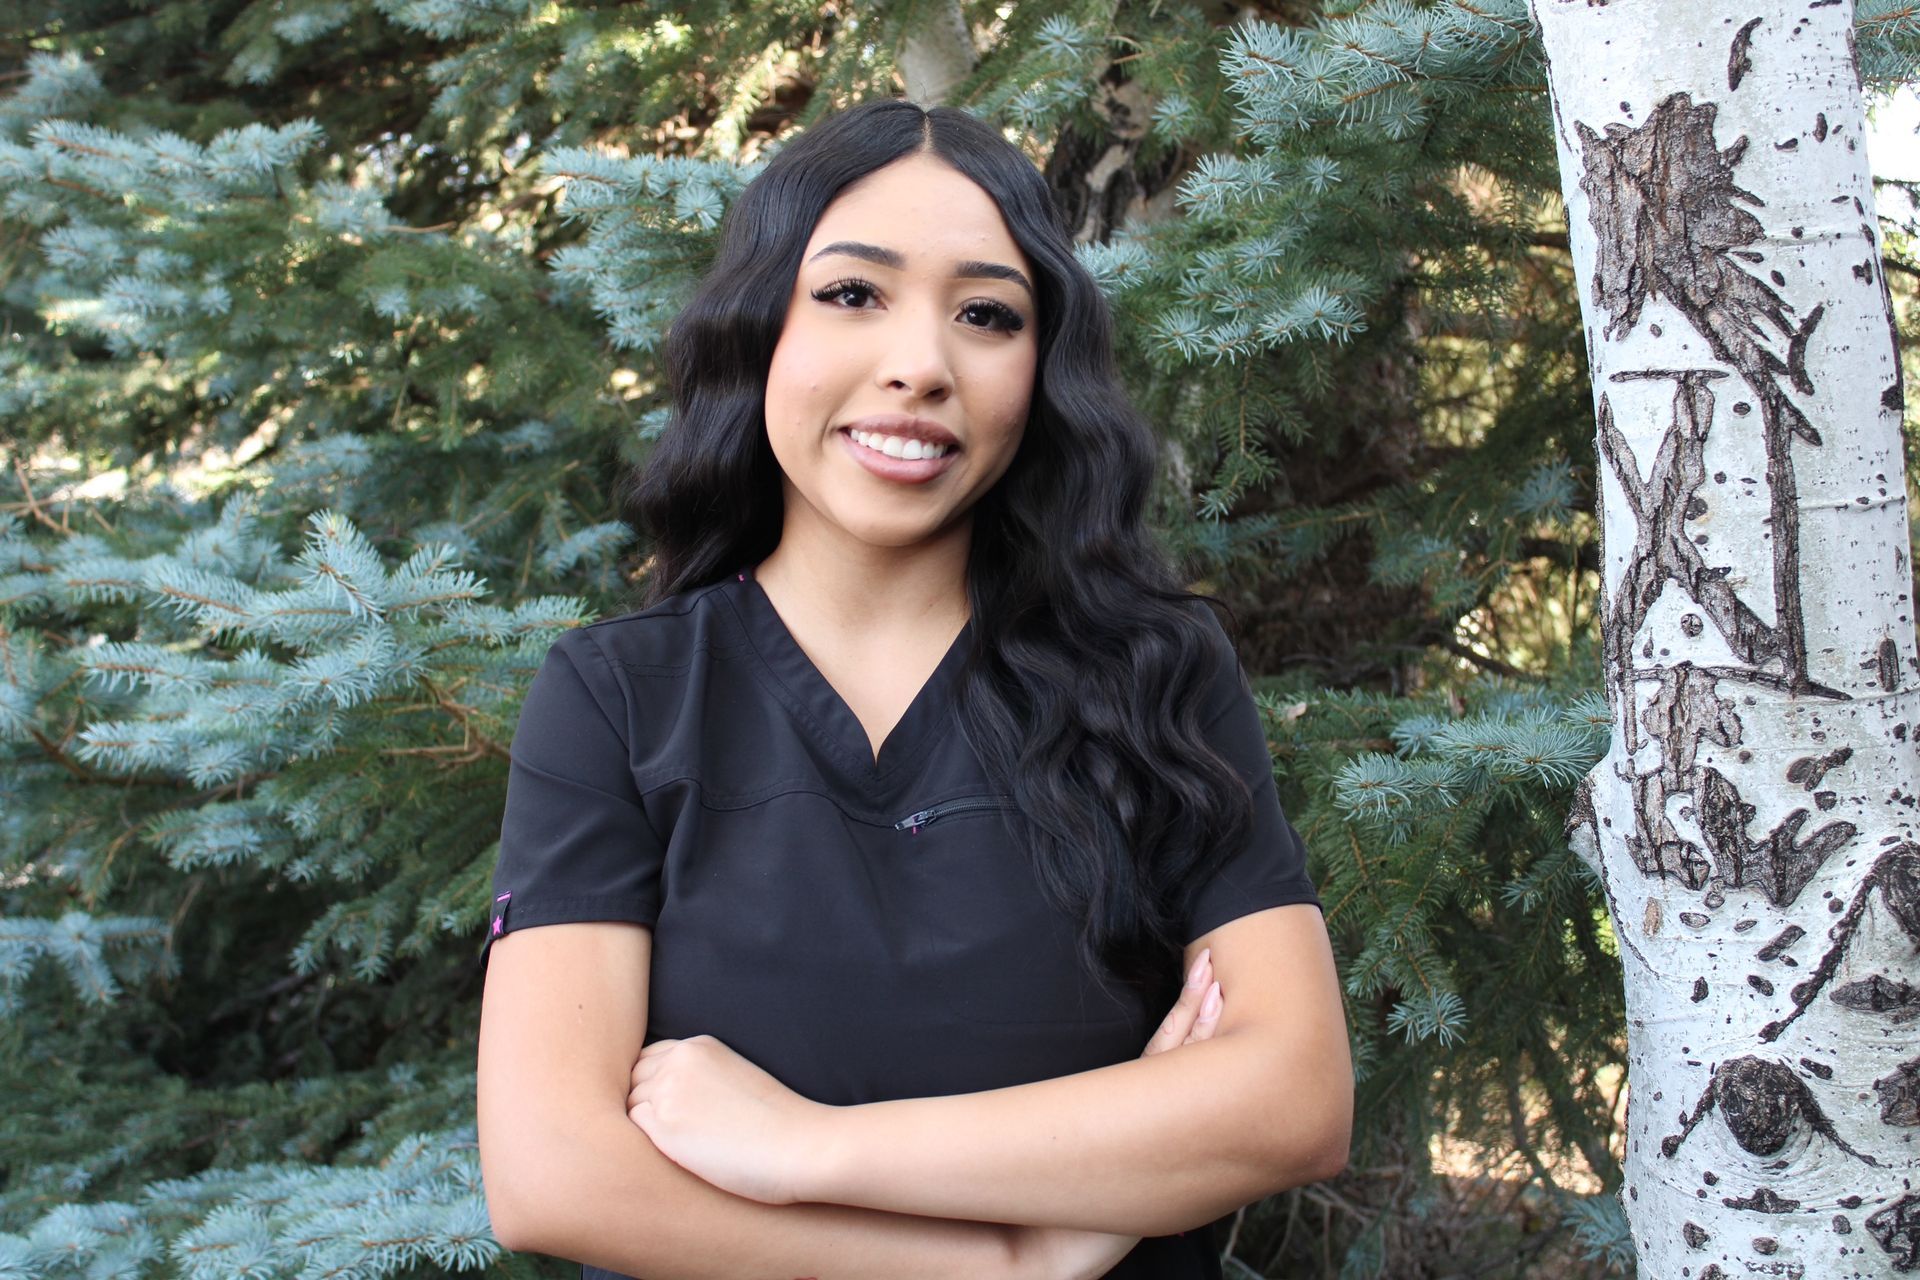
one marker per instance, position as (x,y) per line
(1308,1157)
(506,1230)
(1332,1141)
(1317,1151)
(517,1194)
(1328,1159)
(507,1217)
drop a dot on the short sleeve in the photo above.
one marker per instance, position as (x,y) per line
(1269,869)
(575,843)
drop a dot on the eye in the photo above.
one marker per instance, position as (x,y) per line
(1003,316)
(999,316)
(840,287)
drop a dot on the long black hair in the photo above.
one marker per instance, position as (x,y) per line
(1081,693)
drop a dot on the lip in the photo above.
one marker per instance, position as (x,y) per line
(899,470)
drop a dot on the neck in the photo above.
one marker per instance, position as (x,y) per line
(862,590)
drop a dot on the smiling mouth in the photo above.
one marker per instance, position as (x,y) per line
(899,448)
(897,470)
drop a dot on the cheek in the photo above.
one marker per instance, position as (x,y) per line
(795,376)
(1013,393)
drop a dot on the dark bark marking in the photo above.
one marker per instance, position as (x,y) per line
(1896,873)
(1797,370)
(1778,947)
(1820,122)
(1661,200)
(1696,1237)
(1766,1245)
(1764,1200)
(1738,63)
(1888,660)
(1763,1104)
(1896,1229)
(1899,1092)
(1842,1227)
(1777,865)
(1900,888)
(1668,222)
(1892,397)
(1820,1069)
(1760,984)
(1713,1272)
(1699,990)
(1880,994)
(1810,771)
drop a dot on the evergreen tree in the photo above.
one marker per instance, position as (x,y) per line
(329,333)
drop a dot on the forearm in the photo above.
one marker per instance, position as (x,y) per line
(608,1198)
(1153,1145)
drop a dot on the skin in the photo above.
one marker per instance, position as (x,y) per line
(870,574)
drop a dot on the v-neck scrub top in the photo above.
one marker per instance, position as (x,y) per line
(862,929)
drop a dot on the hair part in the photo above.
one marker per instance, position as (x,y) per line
(1082,692)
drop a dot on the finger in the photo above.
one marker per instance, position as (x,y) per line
(1180,1019)
(650,1053)
(1203,1026)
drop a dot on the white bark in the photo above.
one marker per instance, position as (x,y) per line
(936,53)
(1753,819)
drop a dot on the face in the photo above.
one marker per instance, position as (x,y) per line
(911,304)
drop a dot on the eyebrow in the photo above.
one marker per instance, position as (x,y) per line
(967,270)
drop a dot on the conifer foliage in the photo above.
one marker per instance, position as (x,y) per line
(329,330)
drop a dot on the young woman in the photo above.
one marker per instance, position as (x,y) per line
(868,852)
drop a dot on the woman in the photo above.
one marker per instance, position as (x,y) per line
(881,835)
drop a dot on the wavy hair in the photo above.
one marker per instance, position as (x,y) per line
(1082,691)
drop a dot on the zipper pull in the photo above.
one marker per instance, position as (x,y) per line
(914,821)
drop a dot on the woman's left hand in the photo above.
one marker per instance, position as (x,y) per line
(721,1118)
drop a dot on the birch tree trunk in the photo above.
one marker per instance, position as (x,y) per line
(936,52)
(1753,818)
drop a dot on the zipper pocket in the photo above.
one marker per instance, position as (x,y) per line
(914,821)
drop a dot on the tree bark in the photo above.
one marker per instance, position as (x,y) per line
(936,53)
(1752,822)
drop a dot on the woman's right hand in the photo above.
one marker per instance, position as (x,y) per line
(1067,1253)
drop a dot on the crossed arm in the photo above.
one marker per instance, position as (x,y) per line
(1145,1147)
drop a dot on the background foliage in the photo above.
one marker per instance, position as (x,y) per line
(328,329)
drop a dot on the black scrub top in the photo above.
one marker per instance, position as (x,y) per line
(862,930)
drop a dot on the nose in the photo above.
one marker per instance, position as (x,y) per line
(912,354)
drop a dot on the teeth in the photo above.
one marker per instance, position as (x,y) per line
(895,447)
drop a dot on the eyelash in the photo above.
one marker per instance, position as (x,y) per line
(1006,319)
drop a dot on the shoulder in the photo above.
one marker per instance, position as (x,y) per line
(640,667)
(661,638)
